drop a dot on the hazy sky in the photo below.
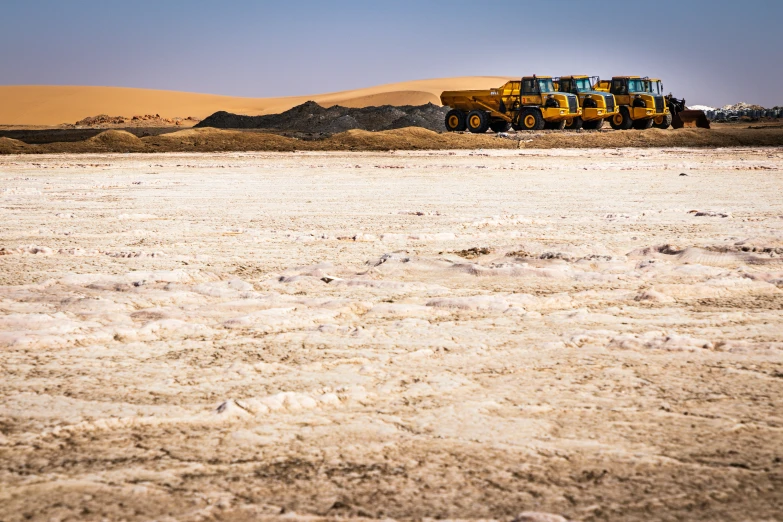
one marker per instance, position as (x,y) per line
(711,52)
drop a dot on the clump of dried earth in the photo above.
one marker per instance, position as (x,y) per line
(446,334)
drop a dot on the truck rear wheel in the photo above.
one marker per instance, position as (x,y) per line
(555,125)
(575,123)
(622,120)
(455,121)
(663,122)
(478,122)
(531,119)
(593,125)
(499,126)
(643,124)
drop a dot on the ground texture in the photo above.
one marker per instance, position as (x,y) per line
(461,334)
(95,141)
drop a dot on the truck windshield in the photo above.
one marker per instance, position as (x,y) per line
(546,85)
(636,85)
(582,84)
(653,87)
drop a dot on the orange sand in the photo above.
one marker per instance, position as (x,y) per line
(53,105)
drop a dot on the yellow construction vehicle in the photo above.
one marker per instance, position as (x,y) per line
(531,103)
(679,115)
(596,106)
(637,107)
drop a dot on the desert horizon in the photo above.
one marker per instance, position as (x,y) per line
(55,105)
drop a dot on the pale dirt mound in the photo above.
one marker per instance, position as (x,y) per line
(12,146)
(218,140)
(116,138)
(411,138)
(106,141)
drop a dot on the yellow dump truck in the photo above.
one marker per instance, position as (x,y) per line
(638,108)
(531,103)
(596,106)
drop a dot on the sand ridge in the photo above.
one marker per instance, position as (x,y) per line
(54,105)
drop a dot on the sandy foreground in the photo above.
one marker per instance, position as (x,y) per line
(465,334)
(57,104)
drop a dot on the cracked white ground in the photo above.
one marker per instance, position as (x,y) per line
(424,334)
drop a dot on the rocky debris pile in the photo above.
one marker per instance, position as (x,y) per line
(104,121)
(313,118)
(741,111)
(742,106)
(101,119)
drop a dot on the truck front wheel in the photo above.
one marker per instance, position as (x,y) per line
(478,122)
(574,123)
(531,119)
(663,122)
(622,120)
(455,121)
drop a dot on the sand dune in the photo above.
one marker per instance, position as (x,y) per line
(53,105)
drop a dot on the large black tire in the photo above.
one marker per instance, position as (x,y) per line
(663,122)
(622,120)
(478,122)
(499,126)
(593,125)
(531,119)
(575,123)
(555,125)
(455,121)
(643,124)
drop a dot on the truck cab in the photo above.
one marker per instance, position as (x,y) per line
(596,106)
(557,108)
(655,87)
(638,106)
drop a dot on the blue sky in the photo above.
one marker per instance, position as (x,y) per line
(710,52)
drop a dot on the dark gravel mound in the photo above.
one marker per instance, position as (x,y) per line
(312,118)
